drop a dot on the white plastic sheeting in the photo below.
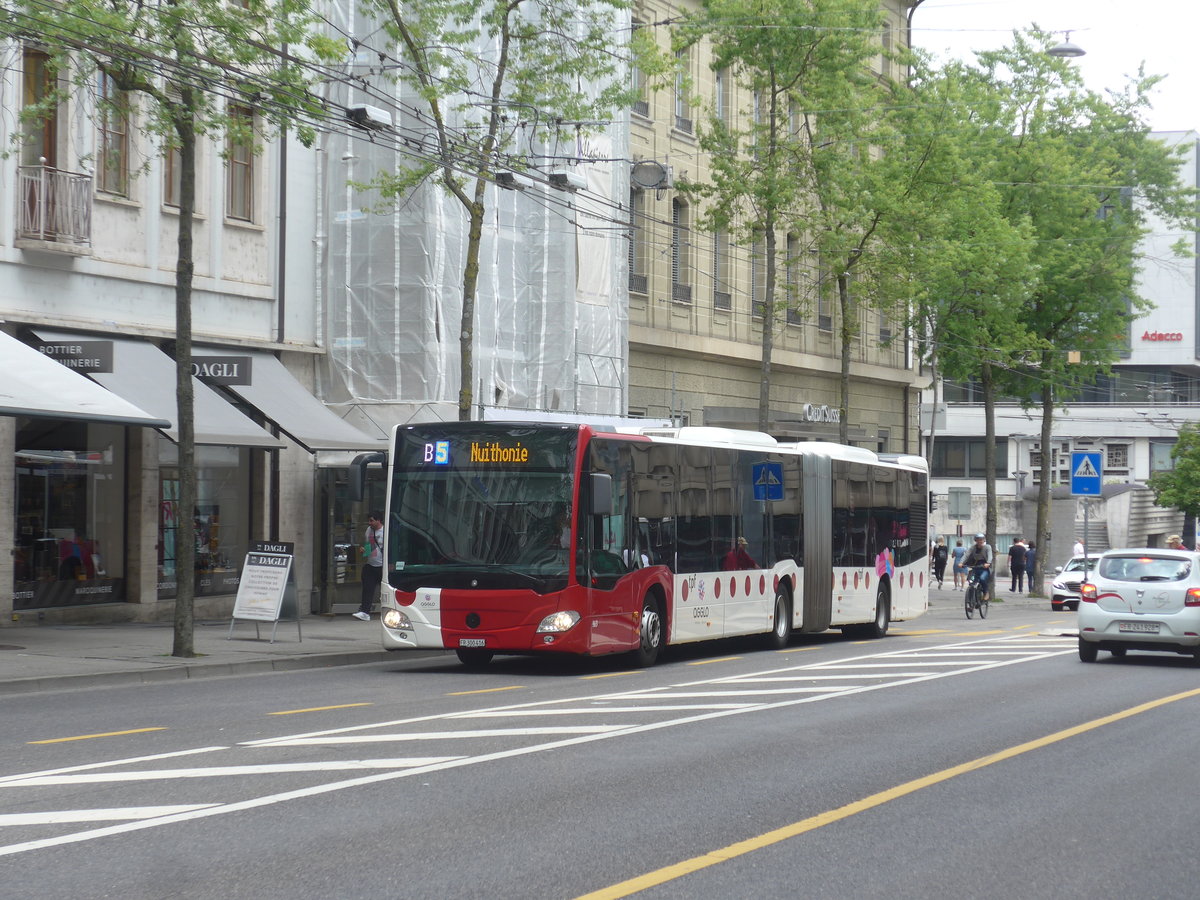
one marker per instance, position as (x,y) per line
(551,317)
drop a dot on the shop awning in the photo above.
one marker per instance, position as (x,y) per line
(275,393)
(32,384)
(145,376)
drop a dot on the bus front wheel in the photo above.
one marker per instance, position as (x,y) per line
(651,633)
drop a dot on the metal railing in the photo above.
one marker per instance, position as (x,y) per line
(54,206)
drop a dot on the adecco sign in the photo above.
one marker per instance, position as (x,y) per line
(1162,336)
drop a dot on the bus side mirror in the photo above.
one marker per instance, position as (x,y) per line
(357,487)
(602,494)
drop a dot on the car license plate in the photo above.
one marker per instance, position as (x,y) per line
(1138,627)
(471,642)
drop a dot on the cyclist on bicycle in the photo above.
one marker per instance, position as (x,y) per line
(978,560)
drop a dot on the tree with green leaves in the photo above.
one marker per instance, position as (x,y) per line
(801,159)
(1083,171)
(190,70)
(490,76)
(1180,486)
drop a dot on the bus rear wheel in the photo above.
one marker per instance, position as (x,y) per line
(651,633)
(781,630)
(883,615)
(473,657)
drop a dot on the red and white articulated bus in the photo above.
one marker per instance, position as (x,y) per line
(564,538)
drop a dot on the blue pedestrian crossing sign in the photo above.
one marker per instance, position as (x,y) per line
(1086,470)
(768,480)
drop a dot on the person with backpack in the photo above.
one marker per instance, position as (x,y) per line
(941,553)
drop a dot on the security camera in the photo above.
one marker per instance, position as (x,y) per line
(372,117)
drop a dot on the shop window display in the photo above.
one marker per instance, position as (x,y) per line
(221,518)
(70,514)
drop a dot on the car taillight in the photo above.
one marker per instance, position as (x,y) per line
(1087,593)
(1192,598)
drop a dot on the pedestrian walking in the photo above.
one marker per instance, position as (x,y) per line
(1016,565)
(941,553)
(372,570)
(960,575)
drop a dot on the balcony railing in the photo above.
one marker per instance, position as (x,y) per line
(54,207)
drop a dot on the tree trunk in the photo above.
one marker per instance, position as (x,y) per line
(185,533)
(846,306)
(466,368)
(768,328)
(1044,548)
(989,454)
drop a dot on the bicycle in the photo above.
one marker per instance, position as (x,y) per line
(976,597)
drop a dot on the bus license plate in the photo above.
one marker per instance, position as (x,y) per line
(1138,627)
(471,642)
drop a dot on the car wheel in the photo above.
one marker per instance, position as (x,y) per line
(1087,652)
(782,626)
(1119,652)
(473,657)
(1056,605)
(1074,604)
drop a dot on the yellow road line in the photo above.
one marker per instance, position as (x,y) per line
(292,712)
(978,633)
(795,649)
(696,863)
(705,662)
(88,737)
(514,687)
(902,633)
(614,674)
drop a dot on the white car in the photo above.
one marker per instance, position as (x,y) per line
(1064,590)
(1142,599)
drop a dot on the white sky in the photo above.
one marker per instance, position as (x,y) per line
(1118,36)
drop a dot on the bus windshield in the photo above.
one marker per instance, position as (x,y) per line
(477,511)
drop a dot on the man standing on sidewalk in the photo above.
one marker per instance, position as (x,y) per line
(1016,564)
(372,570)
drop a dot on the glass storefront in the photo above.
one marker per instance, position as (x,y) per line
(221,517)
(343,529)
(70,514)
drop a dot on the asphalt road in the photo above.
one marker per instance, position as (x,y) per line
(952,758)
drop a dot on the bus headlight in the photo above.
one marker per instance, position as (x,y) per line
(558,622)
(393,618)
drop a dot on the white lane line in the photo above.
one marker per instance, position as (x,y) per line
(382,777)
(827,688)
(115,762)
(899,665)
(755,679)
(66,816)
(446,735)
(593,710)
(225,771)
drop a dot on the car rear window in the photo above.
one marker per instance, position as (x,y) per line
(1143,568)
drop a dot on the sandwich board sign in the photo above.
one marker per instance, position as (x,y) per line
(1086,471)
(265,587)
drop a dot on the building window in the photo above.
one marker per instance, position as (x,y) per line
(239,202)
(723,98)
(722,295)
(825,288)
(641,104)
(792,281)
(1160,456)
(758,278)
(1116,458)
(964,458)
(40,144)
(681,288)
(112,163)
(637,242)
(683,108)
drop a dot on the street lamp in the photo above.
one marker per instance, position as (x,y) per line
(1067,50)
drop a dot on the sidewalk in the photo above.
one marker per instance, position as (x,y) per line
(71,657)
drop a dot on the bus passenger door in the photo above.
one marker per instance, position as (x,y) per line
(604,562)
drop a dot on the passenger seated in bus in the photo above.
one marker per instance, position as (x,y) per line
(738,557)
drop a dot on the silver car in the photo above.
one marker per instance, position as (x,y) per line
(1141,599)
(1064,589)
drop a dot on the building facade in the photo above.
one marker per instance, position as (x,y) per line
(695,296)
(88,421)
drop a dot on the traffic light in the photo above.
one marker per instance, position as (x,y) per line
(932,501)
